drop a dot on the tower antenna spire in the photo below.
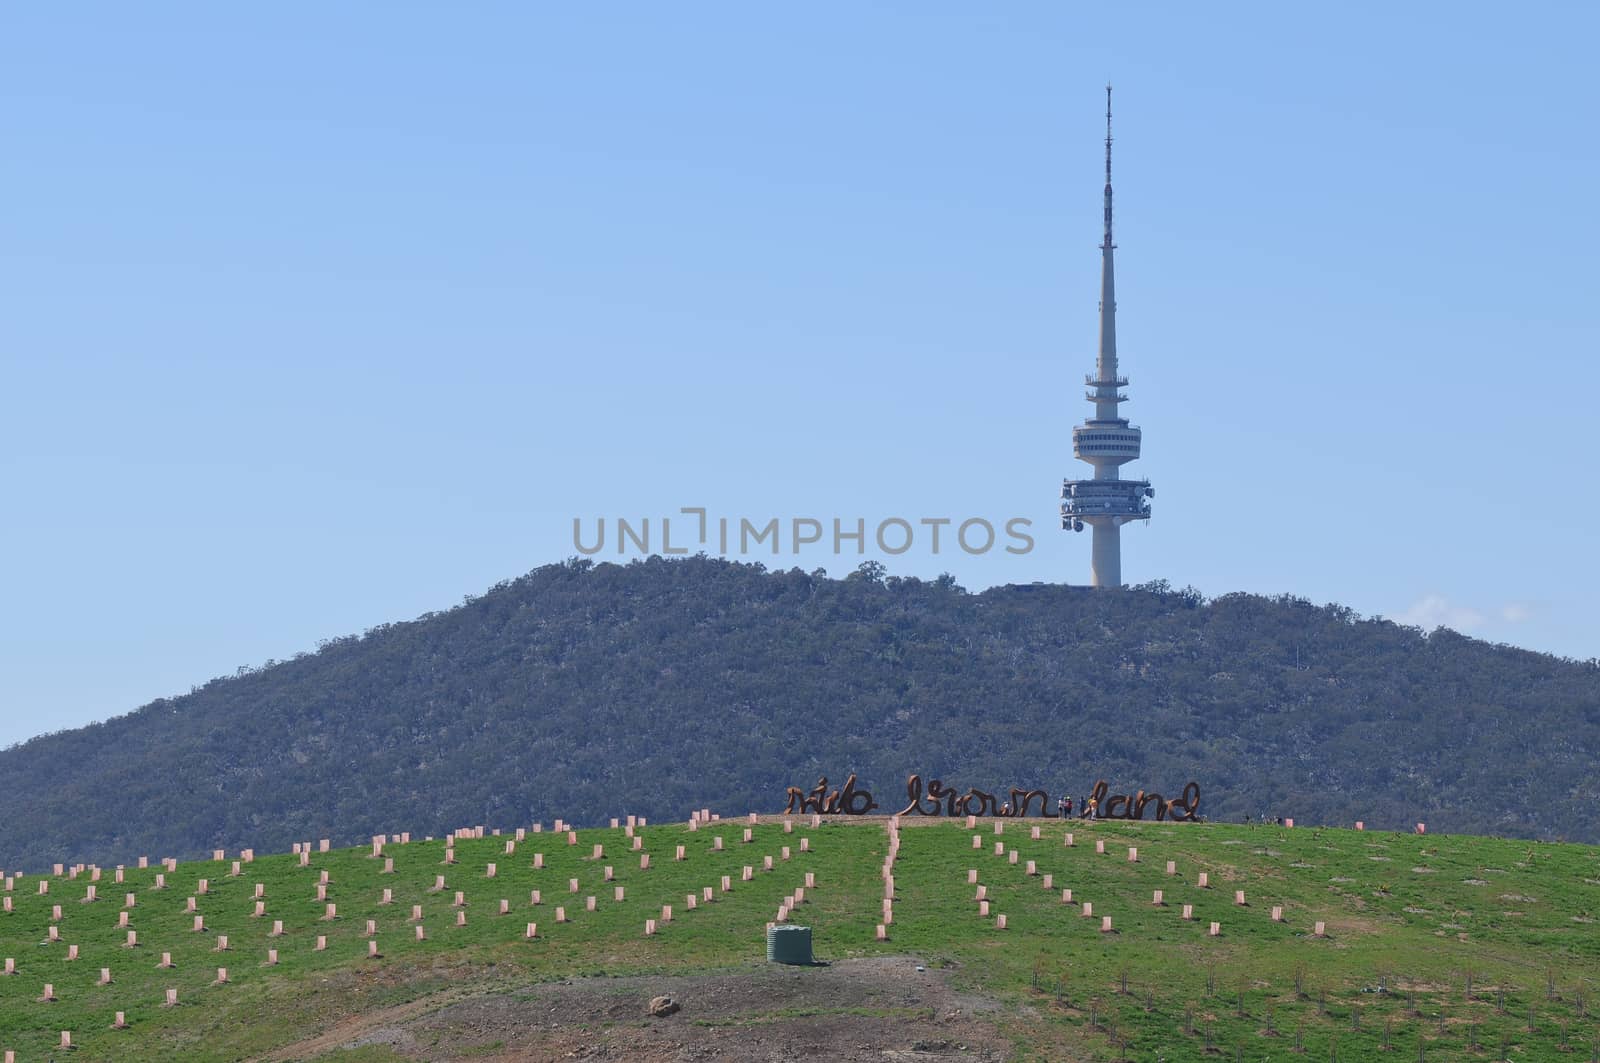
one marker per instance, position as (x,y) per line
(1108,165)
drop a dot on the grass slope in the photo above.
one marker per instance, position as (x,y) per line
(1414,916)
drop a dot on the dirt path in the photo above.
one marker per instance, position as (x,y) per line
(357,1029)
(881,1009)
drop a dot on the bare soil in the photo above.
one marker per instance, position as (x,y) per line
(880,1009)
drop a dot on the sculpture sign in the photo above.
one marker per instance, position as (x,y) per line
(938,799)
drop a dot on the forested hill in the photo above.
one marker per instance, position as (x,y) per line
(586,691)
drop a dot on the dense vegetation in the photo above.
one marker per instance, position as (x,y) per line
(582,690)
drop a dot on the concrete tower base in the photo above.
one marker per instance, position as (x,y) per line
(1105,563)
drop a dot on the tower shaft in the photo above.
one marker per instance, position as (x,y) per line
(1105,396)
(1105,554)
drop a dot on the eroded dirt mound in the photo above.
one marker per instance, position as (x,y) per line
(878,1009)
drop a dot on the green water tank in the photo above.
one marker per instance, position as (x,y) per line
(789,944)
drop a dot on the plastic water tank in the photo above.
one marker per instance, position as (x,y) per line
(787,943)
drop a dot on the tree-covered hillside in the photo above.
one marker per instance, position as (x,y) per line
(582,691)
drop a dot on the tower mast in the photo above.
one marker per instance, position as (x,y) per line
(1106,362)
(1106,440)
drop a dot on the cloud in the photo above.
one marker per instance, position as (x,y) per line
(1435,610)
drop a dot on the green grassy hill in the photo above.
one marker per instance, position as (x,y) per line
(1437,941)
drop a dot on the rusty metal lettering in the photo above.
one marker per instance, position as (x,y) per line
(1021,799)
(1189,802)
(800,801)
(986,804)
(914,798)
(938,790)
(938,799)
(853,802)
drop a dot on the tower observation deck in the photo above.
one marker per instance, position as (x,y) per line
(1106,441)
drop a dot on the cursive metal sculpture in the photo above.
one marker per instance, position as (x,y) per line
(938,799)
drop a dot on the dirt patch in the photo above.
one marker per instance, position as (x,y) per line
(1346,926)
(882,1009)
(381,1026)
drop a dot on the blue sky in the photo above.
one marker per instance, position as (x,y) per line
(321,316)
